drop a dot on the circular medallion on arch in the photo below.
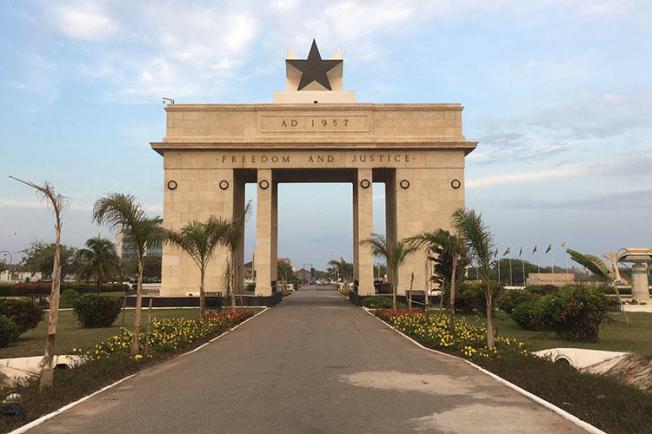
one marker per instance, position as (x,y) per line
(365,183)
(172,185)
(405,184)
(224,184)
(456,183)
(264,184)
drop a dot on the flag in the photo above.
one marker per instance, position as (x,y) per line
(520,252)
(549,248)
(534,250)
(507,251)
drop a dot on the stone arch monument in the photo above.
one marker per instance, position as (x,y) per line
(313,131)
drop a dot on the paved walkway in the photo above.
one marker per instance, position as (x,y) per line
(314,364)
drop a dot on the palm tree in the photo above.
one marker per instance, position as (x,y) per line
(98,260)
(601,270)
(199,240)
(341,266)
(394,253)
(449,256)
(232,240)
(57,202)
(122,212)
(479,243)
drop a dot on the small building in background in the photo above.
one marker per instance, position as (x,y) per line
(303,275)
(558,279)
(124,247)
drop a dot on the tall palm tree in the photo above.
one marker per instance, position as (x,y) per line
(232,240)
(479,242)
(449,255)
(601,270)
(57,202)
(122,212)
(199,240)
(394,253)
(98,260)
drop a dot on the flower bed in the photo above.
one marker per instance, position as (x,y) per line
(459,337)
(110,360)
(598,400)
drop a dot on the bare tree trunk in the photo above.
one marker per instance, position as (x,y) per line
(453,285)
(410,296)
(47,374)
(491,344)
(394,289)
(135,342)
(202,296)
(124,309)
(149,325)
(232,282)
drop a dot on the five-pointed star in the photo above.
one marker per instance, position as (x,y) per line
(314,68)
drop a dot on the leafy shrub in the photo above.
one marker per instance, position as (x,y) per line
(22,311)
(510,298)
(9,331)
(377,302)
(470,297)
(68,298)
(531,315)
(93,310)
(541,289)
(576,312)
(573,312)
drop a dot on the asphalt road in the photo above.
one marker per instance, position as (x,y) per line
(313,364)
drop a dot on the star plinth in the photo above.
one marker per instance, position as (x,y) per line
(314,68)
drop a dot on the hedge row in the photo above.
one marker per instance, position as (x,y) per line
(43,288)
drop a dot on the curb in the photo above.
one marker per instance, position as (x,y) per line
(550,406)
(46,417)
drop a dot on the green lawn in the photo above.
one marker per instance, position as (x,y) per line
(70,335)
(615,335)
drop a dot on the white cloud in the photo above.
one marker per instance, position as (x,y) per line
(82,23)
(527,176)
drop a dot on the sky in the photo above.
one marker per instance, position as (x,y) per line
(558,93)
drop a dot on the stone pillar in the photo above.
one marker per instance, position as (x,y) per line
(425,201)
(193,194)
(640,287)
(238,213)
(363,225)
(265,258)
(390,214)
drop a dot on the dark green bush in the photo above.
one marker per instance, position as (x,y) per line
(93,310)
(531,315)
(68,298)
(470,297)
(573,312)
(22,311)
(576,312)
(541,289)
(9,331)
(510,298)
(377,302)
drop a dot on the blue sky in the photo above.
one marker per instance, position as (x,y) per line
(558,93)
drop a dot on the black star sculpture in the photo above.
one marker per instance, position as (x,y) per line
(314,68)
